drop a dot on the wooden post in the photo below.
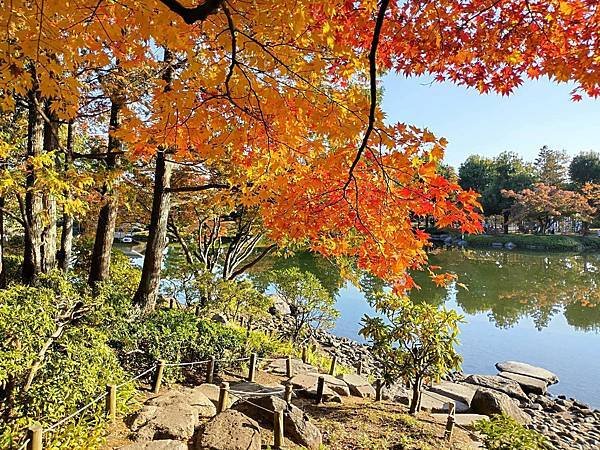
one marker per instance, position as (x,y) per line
(450,422)
(159,376)
(248,327)
(320,389)
(197,311)
(111,402)
(359,367)
(35,436)
(278,430)
(304,354)
(288,367)
(210,370)
(252,367)
(333,364)
(171,303)
(288,393)
(378,390)
(223,397)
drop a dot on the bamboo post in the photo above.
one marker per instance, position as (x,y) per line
(223,397)
(111,402)
(287,396)
(35,436)
(159,376)
(333,364)
(450,422)
(252,367)
(304,354)
(320,389)
(378,390)
(288,367)
(359,367)
(210,370)
(278,429)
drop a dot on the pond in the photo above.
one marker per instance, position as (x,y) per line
(543,309)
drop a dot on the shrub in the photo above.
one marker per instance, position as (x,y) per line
(415,341)
(504,433)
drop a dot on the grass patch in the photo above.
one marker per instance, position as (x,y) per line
(538,242)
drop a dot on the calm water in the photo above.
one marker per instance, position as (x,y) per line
(541,309)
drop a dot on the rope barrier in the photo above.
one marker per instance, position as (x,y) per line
(79,411)
(256,394)
(186,363)
(257,406)
(137,377)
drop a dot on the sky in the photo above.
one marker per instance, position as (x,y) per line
(538,113)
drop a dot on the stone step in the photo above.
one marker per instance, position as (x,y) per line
(529,384)
(463,420)
(461,392)
(528,370)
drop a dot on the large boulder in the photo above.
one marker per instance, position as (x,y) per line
(497,383)
(172,415)
(279,367)
(437,403)
(230,430)
(335,384)
(250,388)
(296,424)
(219,318)
(165,444)
(462,392)
(328,394)
(212,391)
(358,385)
(528,370)
(490,402)
(153,422)
(528,384)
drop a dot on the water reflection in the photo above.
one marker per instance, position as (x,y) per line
(506,285)
(509,286)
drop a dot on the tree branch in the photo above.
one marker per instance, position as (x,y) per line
(373,88)
(203,187)
(194,14)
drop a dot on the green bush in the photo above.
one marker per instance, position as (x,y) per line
(505,433)
(538,242)
(55,364)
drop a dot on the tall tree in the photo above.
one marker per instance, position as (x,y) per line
(585,168)
(552,166)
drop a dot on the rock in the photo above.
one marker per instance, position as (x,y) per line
(335,384)
(279,367)
(463,420)
(510,245)
(230,430)
(280,307)
(498,383)
(211,391)
(249,387)
(192,397)
(358,385)
(521,368)
(167,444)
(437,403)
(490,402)
(304,381)
(529,384)
(219,318)
(176,422)
(461,392)
(328,394)
(296,424)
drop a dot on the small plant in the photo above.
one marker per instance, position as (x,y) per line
(505,433)
(415,343)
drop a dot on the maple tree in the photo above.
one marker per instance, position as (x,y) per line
(281,99)
(546,204)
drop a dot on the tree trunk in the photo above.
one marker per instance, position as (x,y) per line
(66,236)
(33,208)
(49,233)
(147,292)
(415,404)
(505,216)
(107,218)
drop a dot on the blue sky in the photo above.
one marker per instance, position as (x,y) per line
(539,113)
